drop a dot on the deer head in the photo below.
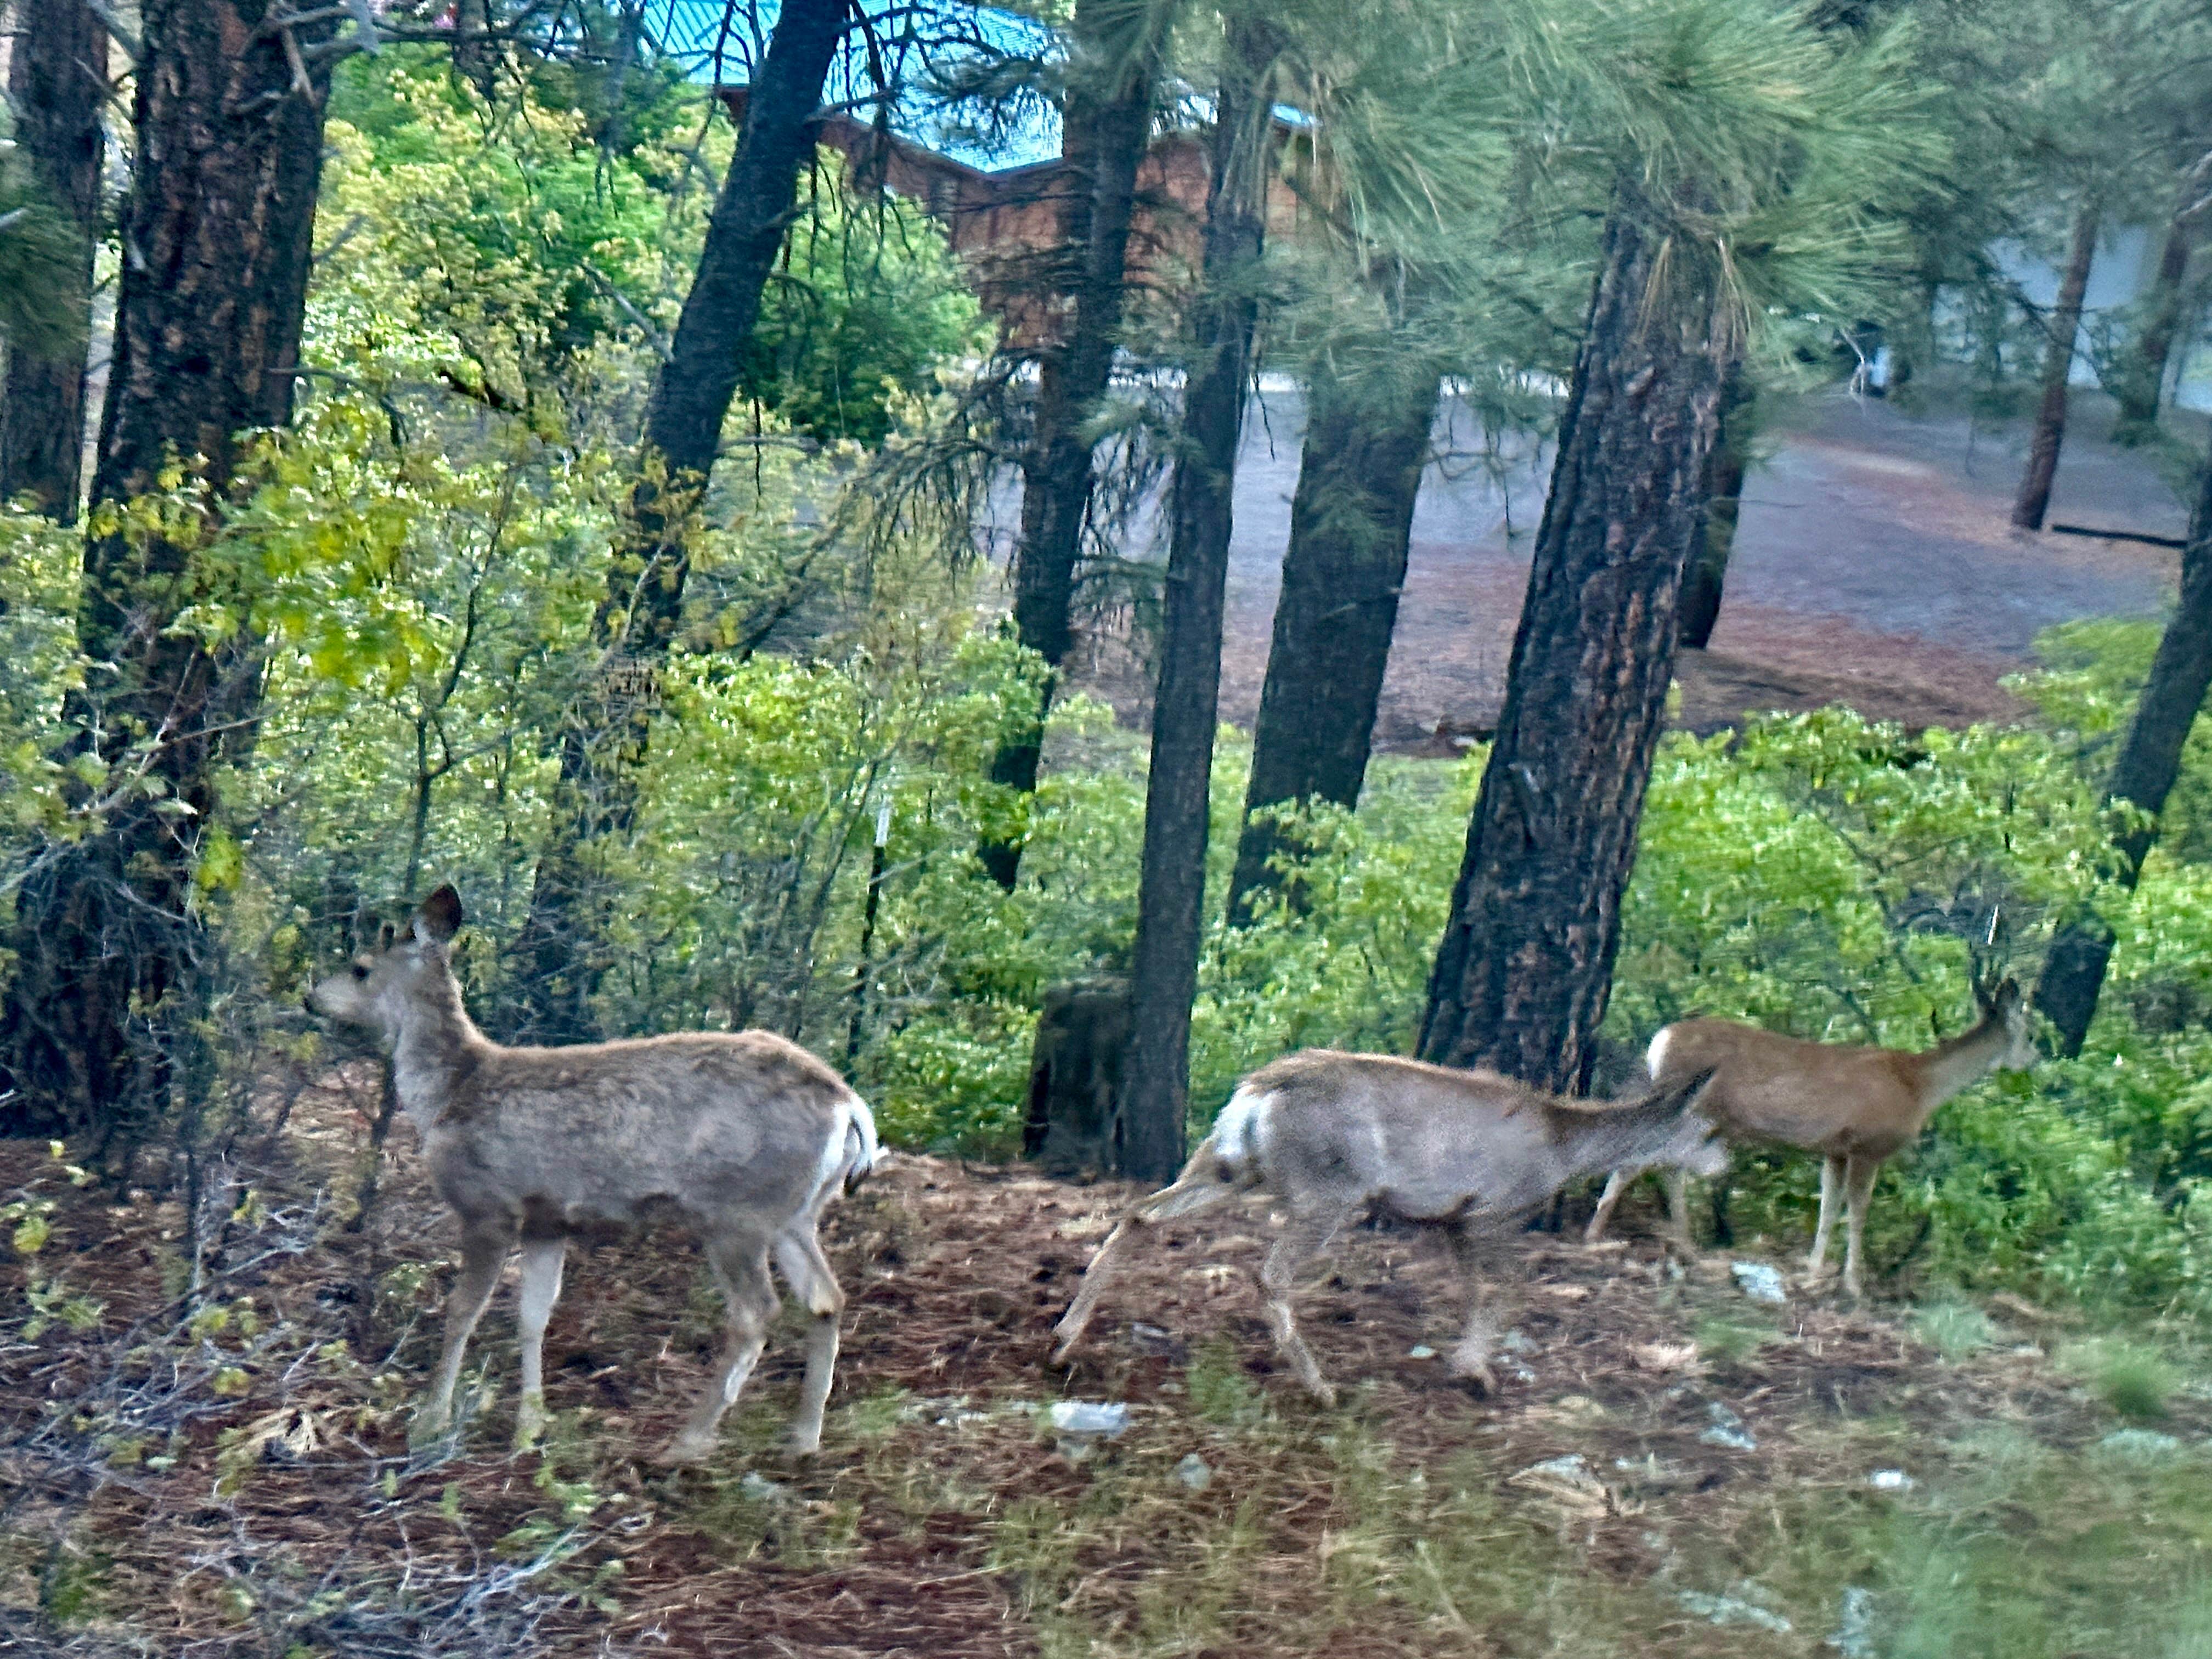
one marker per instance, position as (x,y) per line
(2006,1006)
(1695,1143)
(375,991)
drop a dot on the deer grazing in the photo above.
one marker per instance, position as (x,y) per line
(1855,1105)
(1329,1135)
(744,1137)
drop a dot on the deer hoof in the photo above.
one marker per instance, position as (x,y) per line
(529,1427)
(1478,1372)
(427,1430)
(687,1450)
(801,1445)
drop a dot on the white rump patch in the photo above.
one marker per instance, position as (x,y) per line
(860,1124)
(1243,1125)
(837,1148)
(1655,1057)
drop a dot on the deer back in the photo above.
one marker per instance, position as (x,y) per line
(716,1127)
(1424,1142)
(1818,1096)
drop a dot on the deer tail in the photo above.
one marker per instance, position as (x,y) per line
(861,1148)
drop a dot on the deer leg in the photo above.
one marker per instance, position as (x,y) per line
(1617,1183)
(484,1253)
(1832,1192)
(1069,1331)
(1858,1191)
(541,1261)
(1471,1358)
(799,1254)
(1305,1238)
(1189,1193)
(1677,1183)
(749,1300)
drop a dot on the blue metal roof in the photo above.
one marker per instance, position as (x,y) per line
(719,41)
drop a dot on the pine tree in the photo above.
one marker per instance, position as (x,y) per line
(55,95)
(1163,974)
(1106,125)
(1359,473)
(2149,762)
(1747,147)
(98,1025)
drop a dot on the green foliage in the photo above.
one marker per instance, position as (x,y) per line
(504,235)
(865,304)
(42,267)
(2134,1379)
(1954,1329)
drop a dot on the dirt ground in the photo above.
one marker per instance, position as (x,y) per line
(244,1485)
(1874,564)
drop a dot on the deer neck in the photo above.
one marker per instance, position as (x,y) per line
(1608,1140)
(437,1047)
(1953,1066)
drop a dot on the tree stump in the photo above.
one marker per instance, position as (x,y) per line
(1074,1121)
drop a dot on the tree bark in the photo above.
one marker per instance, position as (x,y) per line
(2144,377)
(1106,130)
(1707,576)
(1171,895)
(559,956)
(1525,967)
(218,232)
(1352,518)
(475,51)
(55,91)
(2035,498)
(2149,762)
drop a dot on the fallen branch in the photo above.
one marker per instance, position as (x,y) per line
(2118,535)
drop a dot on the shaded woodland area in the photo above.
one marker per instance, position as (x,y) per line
(681,471)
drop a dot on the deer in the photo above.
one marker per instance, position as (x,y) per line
(743,1136)
(1329,1134)
(1855,1104)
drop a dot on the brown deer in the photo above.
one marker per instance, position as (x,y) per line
(744,1137)
(1329,1135)
(1855,1105)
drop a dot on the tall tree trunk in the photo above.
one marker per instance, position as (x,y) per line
(1707,576)
(2143,378)
(1360,472)
(1106,130)
(560,954)
(219,229)
(1171,896)
(476,53)
(1525,966)
(2148,762)
(2035,498)
(55,89)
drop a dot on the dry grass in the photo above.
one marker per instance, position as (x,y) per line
(244,1485)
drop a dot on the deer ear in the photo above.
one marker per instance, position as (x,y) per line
(385,935)
(441,915)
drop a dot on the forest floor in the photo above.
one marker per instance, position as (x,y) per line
(1671,1467)
(1874,564)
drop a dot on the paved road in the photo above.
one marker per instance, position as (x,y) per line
(1874,563)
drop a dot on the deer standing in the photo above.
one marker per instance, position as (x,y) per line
(1331,1135)
(1855,1104)
(744,1137)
